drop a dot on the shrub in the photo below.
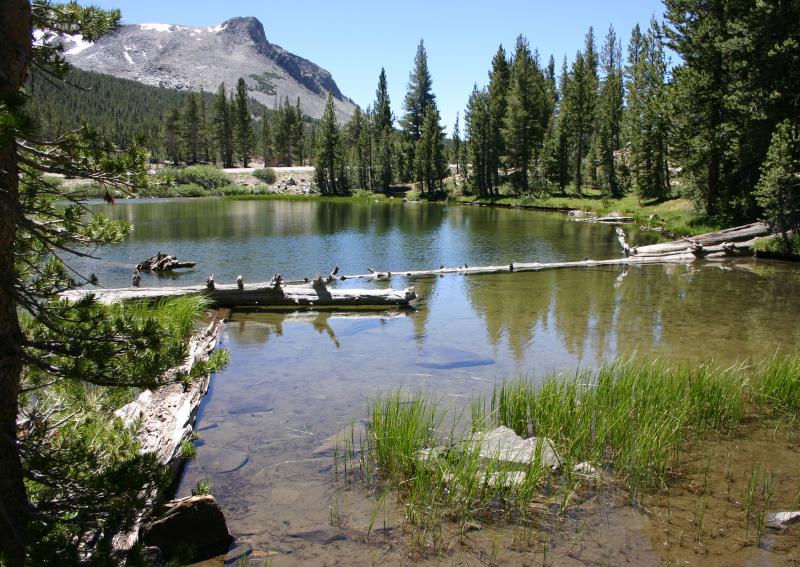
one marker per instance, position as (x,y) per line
(266,175)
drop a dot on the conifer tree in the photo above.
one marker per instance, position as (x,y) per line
(329,167)
(382,107)
(646,122)
(298,135)
(223,131)
(609,112)
(455,155)
(430,165)
(172,133)
(265,139)
(778,189)
(242,128)
(419,94)
(499,80)
(478,144)
(190,130)
(527,113)
(203,128)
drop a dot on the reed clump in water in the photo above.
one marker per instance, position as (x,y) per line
(630,420)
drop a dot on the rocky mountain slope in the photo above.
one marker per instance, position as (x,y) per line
(187,57)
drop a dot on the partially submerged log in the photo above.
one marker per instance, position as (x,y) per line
(168,414)
(264,294)
(747,232)
(162,263)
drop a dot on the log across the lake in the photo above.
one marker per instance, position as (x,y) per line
(264,294)
(729,242)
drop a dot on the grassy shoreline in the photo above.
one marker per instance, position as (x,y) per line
(629,426)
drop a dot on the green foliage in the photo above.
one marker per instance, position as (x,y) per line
(206,176)
(266,175)
(778,189)
(330,168)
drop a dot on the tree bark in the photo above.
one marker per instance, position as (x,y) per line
(15,54)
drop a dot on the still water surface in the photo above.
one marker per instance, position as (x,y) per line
(295,379)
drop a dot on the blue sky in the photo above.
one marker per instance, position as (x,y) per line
(353,40)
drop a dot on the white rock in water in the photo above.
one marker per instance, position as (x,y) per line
(504,445)
(780,520)
(585,468)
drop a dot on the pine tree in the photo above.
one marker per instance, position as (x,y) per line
(499,80)
(577,117)
(242,127)
(609,112)
(383,109)
(265,139)
(419,94)
(222,127)
(778,189)
(70,475)
(527,113)
(172,131)
(190,129)
(298,136)
(478,134)
(646,121)
(203,128)
(455,154)
(329,166)
(430,164)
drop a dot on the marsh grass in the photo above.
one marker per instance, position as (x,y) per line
(631,419)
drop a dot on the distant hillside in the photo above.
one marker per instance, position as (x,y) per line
(191,58)
(119,108)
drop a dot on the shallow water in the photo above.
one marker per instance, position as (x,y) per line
(295,379)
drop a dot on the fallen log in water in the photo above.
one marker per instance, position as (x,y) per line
(162,263)
(167,415)
(747,232)
(264,294)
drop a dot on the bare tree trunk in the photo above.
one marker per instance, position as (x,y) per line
(15,53)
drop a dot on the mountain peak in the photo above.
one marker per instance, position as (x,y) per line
(248,26)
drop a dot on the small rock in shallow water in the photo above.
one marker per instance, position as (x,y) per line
(780,520)
(239,552)
(323,536)
(503,445)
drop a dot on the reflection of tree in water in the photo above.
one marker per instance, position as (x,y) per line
(512,305)
(424,288)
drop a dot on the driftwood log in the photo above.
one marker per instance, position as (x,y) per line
(264,294)
(162,263)
(168,414)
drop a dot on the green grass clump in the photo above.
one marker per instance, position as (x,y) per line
(206,176)
(777,383)
(266,175)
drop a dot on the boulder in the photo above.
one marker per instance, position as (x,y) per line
(781,520)
(195,522)
(503,445)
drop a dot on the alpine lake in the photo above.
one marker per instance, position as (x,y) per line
(269,424)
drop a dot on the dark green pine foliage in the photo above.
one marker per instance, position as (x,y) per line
(526,115)
(609,113)
(265,139)
(357,137)
(243,130)
(172,133)
(329,170)
(739,78)
(430,165)
(646,117)
(203,144)
(286,132)
(478,142)
(591,61)
(499,80)
(190,129)
(778,189)
(577,118)
(222,128)
(299,132)
(419,94)
(383,135)
(455,147)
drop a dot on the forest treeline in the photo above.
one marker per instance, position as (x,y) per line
(612,118)
(720,127)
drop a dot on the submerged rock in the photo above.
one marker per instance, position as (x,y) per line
(503,445)
(323,536)
(781,520)
(196,522)
(585,468)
